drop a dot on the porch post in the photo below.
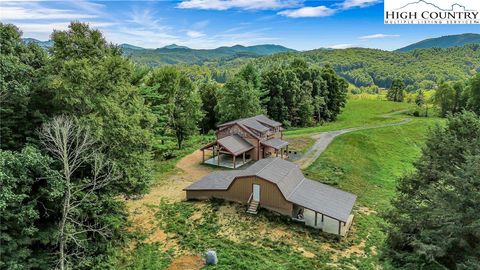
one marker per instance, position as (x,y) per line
(287,151)
(322,218)
(243,157)
(276,151)
(339,228)
(218,156)
(234,162)
(316,219)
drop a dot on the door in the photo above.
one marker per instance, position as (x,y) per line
(256,192)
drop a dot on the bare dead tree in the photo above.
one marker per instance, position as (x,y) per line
(74,147)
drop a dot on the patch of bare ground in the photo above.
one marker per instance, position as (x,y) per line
(186,262)
(300,144)
(366,211)
(142,212)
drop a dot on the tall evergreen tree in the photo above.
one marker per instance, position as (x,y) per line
(335,94)
(434,223)
(208,93)
(474,94)
(397,91)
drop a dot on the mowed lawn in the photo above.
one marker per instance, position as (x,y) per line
(369,163)
(359,113)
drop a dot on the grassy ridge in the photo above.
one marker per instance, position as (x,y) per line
(359,113)
(369,163)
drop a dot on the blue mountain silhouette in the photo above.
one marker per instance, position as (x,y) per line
(433,5)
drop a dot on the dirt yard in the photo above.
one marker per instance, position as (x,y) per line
(141,211)
(189,169)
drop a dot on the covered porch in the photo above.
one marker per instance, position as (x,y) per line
(279,147)
(226,161)
(321,221)
(229,152)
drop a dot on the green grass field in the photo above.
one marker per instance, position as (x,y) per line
(359,113)
(367,163)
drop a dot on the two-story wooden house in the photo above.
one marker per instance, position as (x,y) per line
(242,140)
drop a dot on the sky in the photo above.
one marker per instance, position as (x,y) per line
(205,24)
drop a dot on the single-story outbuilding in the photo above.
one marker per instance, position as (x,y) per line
(280,186)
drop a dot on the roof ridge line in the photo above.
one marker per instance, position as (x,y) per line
(296,187)
(265,167)
(291,169)
(248,130)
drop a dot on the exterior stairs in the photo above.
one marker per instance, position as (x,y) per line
(253,207)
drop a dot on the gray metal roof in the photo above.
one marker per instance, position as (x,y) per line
(254,124)
(275,143)
(324,199)
(235,144)
(294,186)
(263,119)
(259,123)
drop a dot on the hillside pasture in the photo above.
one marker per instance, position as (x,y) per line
(367,163)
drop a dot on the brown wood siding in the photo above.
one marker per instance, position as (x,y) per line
(235,129)
(240,191)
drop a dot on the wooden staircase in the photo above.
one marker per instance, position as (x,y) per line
(253,207)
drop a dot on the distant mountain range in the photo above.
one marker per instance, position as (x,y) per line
(176,54)
(44,44)
(443,42)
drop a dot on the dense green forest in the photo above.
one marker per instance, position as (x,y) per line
(174,54)
(420,69)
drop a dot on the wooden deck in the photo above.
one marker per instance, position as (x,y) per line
(226,161)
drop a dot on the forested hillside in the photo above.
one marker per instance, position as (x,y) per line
(365,68)
(174,54)
(443,42)
(420,69)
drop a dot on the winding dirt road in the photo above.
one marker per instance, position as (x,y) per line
(325,138)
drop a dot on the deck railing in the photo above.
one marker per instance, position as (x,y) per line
(250,198)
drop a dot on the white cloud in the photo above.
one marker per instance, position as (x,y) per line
(377,36)
(30,12)
(320,11)
(342,46)
(195,34)
(240,4)
(358,3)
(49,27)
(141,27)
